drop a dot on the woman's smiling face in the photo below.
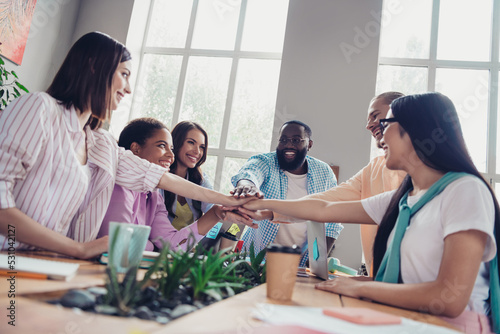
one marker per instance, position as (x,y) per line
(157,149)
(120,86)
(192,149)
(397,145)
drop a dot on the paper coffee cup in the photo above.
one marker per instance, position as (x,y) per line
(281,272)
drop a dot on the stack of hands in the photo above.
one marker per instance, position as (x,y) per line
(249,211)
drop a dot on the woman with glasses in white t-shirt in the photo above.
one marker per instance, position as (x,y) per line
(436,249)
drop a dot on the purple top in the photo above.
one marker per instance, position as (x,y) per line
(128,206)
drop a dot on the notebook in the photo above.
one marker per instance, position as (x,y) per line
(22,266)
(148,258)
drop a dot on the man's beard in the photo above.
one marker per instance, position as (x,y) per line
(300,157)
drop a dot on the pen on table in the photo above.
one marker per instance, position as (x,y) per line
(23,274)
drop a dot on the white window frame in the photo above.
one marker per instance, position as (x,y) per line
(220,152)
(493,66)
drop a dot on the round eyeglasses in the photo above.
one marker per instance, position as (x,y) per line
(294,141)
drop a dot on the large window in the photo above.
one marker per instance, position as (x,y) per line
(215,62)
(449,46)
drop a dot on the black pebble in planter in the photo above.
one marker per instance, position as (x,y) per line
(78,298)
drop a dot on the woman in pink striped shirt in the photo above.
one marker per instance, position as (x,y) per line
(58,167)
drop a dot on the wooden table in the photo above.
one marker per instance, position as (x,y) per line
(231,315)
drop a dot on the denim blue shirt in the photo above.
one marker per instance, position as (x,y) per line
(264,171)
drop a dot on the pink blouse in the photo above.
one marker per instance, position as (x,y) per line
(148,209)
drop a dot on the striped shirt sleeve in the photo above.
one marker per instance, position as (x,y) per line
(137,174)
(18,150)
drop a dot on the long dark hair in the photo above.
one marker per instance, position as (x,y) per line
(85,77)
(139,130)
(179,134)
(432,123)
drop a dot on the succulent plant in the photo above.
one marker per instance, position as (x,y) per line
(178,277)
(215,275)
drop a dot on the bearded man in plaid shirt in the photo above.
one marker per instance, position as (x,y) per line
(287,173)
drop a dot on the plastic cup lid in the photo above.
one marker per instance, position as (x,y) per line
(275,248)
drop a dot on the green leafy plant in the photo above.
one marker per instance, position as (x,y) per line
(178,277)
(215,275)
(255,270)
(9,85)
(172,268)
(125,294)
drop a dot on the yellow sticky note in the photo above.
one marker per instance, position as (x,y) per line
(233,229)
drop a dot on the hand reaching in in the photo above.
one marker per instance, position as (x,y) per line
(245,189)
(231,214)
(257,214)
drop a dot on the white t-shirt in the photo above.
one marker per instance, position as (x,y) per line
(465,204)
(290,234)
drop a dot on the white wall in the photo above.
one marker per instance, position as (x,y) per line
(108,16)
(318,84)
(329,91)
(57,24)
(49,40)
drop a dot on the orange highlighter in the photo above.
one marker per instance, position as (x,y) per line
(23,274)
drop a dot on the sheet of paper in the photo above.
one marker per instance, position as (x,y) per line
(312,317)
(53,269)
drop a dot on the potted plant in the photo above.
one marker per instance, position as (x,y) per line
(10,88)
(176,284)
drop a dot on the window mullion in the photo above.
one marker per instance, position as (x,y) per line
(185,60)
(493,97)
(230,93)
(492,123)
(140,73)
(431,76)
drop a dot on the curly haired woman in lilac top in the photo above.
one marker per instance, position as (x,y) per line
(150,139)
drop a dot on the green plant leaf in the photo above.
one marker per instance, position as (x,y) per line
(252,253)
(260,256)
(214,294)
(10,89)
(263,275)
(176,270)
(21,86)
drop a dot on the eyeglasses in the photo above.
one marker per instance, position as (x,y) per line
(384,122)
(294,141)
